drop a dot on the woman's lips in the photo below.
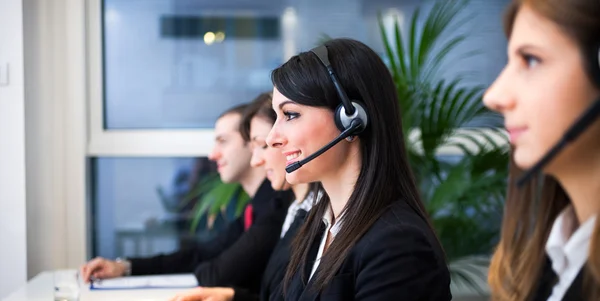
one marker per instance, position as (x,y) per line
(515,132)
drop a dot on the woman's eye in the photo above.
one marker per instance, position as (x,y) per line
(531,60)
(290,115)
(265,146)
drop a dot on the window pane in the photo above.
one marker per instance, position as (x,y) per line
(143,206)
(180,63)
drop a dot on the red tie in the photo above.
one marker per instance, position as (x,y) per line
(248,217)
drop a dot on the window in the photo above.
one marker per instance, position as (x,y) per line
(143,206)
(175,64)
(161,71)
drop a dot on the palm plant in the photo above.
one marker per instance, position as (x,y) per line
(464,197)
(212,197)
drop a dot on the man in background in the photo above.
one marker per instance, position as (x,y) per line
(232,155)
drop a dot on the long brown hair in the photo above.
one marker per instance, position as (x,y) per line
(530,211)
(260,106)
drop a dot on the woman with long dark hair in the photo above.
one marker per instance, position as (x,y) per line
(550,241)
(369,237)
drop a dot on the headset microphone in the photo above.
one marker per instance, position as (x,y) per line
(354,125)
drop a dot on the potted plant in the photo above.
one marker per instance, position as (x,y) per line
(207,200)
(463,194)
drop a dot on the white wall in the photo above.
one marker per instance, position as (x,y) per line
(13,255)
(54,52)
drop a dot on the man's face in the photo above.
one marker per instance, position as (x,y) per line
(231,153)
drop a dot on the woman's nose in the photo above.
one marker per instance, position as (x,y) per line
(275,139)
(257,158)
(499,96)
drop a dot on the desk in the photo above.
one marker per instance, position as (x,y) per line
(41,288)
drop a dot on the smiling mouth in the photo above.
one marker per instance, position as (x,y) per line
(290,158)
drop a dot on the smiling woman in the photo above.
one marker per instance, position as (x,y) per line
(369,237)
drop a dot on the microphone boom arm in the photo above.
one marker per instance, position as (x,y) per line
(354,125)
(572,133)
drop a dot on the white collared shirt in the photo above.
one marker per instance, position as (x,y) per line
(329,227)
(568,252)
(306,205)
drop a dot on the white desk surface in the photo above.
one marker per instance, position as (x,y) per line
(41,288)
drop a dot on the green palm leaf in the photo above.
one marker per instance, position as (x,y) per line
(464,197)
(214,199)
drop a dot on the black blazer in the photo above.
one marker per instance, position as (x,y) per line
(398,258)
(270,288)
(244,262)
(547,281)
(186,260)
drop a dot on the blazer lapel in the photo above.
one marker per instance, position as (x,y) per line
(306,294)
(312,253)
(575,291)
(546,281)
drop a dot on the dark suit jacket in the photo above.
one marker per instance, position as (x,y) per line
(187,260)
(243,264)
(270,286)
(549,278)
(398,258)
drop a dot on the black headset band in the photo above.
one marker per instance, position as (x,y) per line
(323,56)
(594,64)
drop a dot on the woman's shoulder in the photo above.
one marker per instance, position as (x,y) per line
(401,248)
(399,217)
(402,228)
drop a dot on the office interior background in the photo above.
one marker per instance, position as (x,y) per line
(107,109)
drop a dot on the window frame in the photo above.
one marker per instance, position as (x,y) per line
(167,142)
(106,142)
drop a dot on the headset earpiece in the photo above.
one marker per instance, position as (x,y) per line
(342,120)
(597,65)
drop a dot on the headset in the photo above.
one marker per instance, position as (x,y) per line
(592,66)
(350,116)
(347,110)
